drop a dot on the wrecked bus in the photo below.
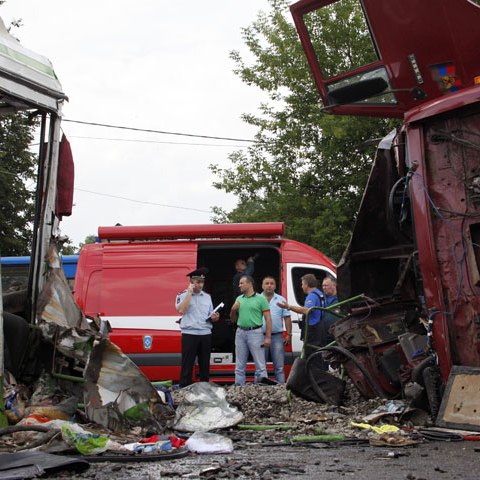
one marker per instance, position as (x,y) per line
(46,345)
(132,276)
(415,247)
(29,86)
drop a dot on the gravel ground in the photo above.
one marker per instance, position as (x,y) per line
(271,454)
(433,461)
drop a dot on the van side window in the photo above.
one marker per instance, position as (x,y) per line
(297,274)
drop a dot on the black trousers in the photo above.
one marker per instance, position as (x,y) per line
(194,346)
(314,338)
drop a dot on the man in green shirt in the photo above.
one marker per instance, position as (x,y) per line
(248,312)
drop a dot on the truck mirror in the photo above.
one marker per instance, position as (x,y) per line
(357,91)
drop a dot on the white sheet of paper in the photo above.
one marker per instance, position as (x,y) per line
(218,307)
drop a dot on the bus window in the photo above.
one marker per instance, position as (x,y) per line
(15,271)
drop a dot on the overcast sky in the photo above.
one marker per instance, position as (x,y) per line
(151,64)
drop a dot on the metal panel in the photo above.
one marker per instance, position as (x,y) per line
(461,402)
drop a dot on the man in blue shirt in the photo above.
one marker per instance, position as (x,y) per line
(315,298)
(196,324)
(329,288)
(278,314)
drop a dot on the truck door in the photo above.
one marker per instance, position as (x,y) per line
(407,55)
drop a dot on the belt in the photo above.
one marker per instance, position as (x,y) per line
(249,328)
(277,333)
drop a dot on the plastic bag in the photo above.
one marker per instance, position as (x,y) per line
(87,443)
(205,442)
(205,408)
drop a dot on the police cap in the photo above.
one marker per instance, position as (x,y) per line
(199,273)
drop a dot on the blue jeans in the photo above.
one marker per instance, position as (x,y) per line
(277,352)
(249,341)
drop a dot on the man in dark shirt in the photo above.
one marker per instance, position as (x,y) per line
(242,268)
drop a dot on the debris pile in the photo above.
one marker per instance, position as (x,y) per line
(274,405)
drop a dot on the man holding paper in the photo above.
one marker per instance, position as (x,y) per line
(196,325)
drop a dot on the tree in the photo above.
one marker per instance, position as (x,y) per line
(88,239)
(306,168)
(67,246)
(17,174)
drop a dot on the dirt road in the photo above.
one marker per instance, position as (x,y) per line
(428,461)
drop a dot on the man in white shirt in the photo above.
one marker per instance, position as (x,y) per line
(279,315)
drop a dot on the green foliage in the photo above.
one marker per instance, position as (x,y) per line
(340,37)
(17,174)
(306,168)
(88,239)
(68,248)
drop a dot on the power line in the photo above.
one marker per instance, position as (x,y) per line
(163,132)
(141,201)
(122,198)
(157,141)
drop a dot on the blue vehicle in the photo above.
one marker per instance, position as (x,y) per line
(69,263)
(15,271)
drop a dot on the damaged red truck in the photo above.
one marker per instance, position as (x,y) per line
(415,248)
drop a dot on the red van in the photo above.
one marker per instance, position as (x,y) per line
(132,276)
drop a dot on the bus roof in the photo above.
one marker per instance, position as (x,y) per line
(15,260)
(25,260)
(27,80)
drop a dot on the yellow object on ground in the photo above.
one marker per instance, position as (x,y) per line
(382,429)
